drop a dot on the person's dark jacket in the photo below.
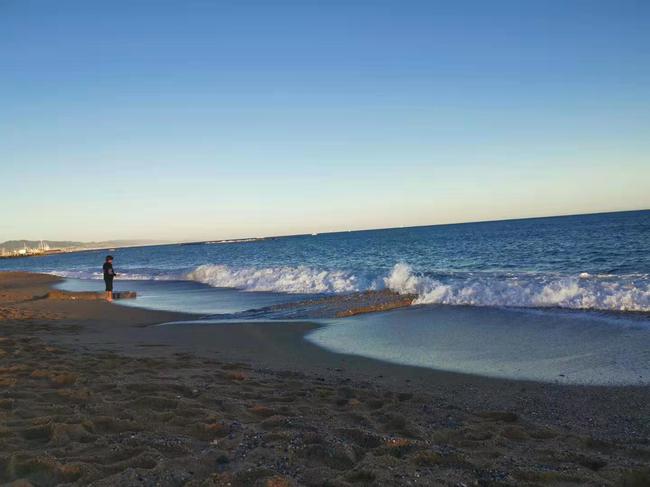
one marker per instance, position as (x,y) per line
(109,273)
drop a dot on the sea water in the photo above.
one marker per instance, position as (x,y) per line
(545,281)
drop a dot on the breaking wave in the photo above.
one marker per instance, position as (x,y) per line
(300,279)
(581,291)
(607,293)
(584,291)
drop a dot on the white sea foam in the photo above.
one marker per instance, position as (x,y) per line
(583,291)
(299,279)
(579,292)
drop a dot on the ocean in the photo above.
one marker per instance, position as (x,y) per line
(560,298)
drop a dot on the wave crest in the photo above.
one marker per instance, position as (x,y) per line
(299,279)
(620,293)
(582,291)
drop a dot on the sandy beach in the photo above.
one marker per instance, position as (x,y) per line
(93,393)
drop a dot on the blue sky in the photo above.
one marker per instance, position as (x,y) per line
(187,120)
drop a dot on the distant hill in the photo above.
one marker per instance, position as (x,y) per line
(11,245)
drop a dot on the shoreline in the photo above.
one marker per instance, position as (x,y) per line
(342,417)
(248,336)
(514,343)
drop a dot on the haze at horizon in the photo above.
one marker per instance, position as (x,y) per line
(194,120)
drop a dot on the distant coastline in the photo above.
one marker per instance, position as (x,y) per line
(228,241)
(13,249)
(39,251)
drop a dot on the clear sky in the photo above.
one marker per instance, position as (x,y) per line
(189,120)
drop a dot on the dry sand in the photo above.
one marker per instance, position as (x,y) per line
(91,394)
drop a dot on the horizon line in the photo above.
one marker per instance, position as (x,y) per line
(159,242)
(404,226)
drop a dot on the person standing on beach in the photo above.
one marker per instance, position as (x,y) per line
(109,274)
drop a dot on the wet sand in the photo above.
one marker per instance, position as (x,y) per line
(95,393)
